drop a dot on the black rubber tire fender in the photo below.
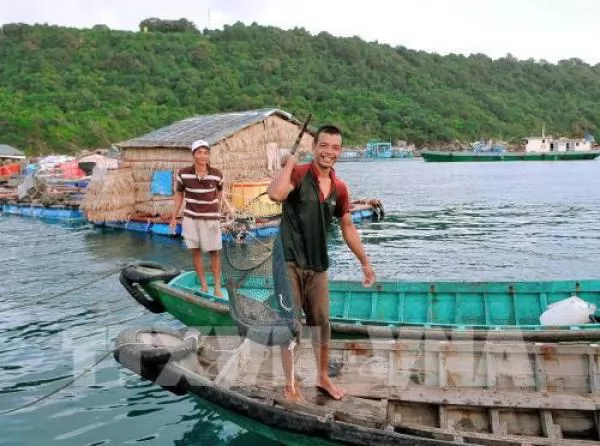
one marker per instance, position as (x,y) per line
(136,275)
(144,272)
(149,360)
(140,295)
(378,211)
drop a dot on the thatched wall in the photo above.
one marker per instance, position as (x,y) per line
(244,155)
(241,156)
(109,196)
(143,162)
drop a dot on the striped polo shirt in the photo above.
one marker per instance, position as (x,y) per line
(200,193)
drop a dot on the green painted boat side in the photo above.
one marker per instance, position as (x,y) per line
(438,156)
(416,307)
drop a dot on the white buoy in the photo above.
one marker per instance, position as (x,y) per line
(573,310)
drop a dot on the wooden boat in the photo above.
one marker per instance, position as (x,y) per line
(402,152)
(433,310)
(472,156)
(404,392)
(378,149)
(350,155)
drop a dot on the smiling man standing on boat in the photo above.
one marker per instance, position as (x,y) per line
(312,195)
(201,185)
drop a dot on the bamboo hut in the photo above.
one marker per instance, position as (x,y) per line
(244,146)
(109,195)
(10,153)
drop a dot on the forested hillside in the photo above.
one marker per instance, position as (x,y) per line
(64,89)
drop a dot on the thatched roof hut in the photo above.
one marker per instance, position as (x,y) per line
(244,145)
(10,152)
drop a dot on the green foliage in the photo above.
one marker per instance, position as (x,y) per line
(167,26)
(63,89)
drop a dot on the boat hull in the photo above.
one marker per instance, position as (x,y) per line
(436,156)
(397,392)
(271,433)
(402,154)
(413,310)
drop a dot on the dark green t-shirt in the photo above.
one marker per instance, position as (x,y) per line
(307,216)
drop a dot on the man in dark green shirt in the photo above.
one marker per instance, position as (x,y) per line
(312,195)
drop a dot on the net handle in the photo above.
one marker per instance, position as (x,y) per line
(292,152)
(301,134)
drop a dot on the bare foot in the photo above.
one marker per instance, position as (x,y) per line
(218,292)
(325,385)
(204,289)
(292,394)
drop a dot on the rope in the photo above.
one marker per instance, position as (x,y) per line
(86,370)
(112,324)
(68,383)
(41,301)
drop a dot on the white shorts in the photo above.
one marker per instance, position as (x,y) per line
(203,234)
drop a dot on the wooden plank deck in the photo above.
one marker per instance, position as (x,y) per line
(484,393)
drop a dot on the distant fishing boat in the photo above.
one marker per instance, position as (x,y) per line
(439,156)
(402,152)
(378,149)
(536,149)
(346,155)
(350,155)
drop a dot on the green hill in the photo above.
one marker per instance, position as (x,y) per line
(63,89)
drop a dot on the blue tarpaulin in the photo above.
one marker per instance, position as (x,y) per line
(162,183)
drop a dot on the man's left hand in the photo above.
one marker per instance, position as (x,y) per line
(369,275)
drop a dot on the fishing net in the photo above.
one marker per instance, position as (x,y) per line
(255,276)
(260,295)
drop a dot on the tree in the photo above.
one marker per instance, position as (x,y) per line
(167,26)
(64,88)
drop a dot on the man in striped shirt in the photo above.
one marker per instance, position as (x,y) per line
(201,186)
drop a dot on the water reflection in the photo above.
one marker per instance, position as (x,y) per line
(228,428)
(128,246)
(453,242)
(214,429)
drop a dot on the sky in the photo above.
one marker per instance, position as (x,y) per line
(538,29)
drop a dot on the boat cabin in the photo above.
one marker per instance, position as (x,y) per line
(378,149)
(551,144)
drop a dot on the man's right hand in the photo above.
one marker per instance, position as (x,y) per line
(287,158)
(173,225)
